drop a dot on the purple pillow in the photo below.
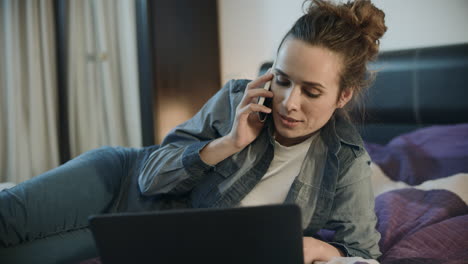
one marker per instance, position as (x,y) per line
(424,154)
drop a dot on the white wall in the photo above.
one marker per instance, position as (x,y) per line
(250,30)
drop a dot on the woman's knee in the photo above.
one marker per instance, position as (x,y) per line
(62,198)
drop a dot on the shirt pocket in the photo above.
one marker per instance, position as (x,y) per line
(316,202)
(320,201)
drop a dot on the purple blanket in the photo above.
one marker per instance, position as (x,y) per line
(422,227)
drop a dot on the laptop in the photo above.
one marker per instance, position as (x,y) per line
(263,234)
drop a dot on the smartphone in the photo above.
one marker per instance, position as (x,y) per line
(266,101)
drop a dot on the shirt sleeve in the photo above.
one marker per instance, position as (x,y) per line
(176,167)
(352,217)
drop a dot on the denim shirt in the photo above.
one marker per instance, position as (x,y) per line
(337,198)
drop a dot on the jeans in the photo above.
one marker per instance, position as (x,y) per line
(45,219)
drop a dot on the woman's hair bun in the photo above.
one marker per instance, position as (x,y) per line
(361,15)
(368,18)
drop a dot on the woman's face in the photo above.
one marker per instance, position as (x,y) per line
(305,88)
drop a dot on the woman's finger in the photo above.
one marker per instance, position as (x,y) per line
(253,108)
(251,96)
(260,81)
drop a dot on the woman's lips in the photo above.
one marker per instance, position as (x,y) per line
(289,121)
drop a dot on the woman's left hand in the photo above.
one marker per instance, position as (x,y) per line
(315,249)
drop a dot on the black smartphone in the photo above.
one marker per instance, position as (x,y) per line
(266,101)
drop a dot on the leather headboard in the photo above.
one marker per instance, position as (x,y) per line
(415,88)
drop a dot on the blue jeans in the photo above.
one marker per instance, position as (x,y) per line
(45,219)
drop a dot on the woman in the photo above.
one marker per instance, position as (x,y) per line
(224,155)
(307,152)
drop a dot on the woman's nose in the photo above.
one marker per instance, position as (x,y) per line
(291,100)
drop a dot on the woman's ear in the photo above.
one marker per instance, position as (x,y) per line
(345,97)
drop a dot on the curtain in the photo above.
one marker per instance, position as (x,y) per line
(28,108)
(103,94)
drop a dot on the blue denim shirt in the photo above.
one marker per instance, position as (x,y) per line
(338,198)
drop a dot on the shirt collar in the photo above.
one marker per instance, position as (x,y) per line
(339,131)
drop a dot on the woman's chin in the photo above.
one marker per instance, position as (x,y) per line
(286,136)
(291,136)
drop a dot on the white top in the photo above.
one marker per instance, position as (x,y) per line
(285,166)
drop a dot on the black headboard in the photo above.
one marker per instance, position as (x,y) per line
(415,88)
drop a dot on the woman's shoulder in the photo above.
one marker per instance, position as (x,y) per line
(237,85)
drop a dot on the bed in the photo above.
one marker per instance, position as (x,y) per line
(417,136)
(416,132)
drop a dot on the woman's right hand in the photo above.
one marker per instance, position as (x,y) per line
(247,125)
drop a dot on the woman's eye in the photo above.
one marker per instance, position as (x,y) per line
(280,80)
(311,94)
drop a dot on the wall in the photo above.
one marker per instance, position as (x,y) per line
(186,60)
(250,31)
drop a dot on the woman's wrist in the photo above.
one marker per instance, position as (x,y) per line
(317,250)
(328,251)
(218,150)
